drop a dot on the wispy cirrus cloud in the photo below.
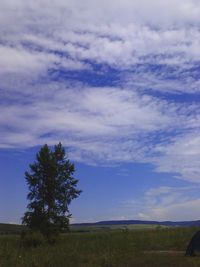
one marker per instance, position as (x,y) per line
(166,203)
(91,112)
(49,52)
(182,156)
(105,125)
(54,34)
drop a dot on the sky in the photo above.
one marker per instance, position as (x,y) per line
(117,83)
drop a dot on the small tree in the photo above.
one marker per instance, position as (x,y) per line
(52,187)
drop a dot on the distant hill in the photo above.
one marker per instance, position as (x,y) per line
(6,228)
(135,222)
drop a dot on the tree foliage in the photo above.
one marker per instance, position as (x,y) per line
(52,187)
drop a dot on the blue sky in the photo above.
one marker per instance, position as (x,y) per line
(117,82)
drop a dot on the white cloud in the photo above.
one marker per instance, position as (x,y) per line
(182,157)
(85,112)
(104,125)
(118,33)
(145,11)
(153,46)
(166,203)
(19,60)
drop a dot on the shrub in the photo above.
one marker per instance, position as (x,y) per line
(32,239)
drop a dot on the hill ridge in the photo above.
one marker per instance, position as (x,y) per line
(127,222)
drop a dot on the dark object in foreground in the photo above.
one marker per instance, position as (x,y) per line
(194,246)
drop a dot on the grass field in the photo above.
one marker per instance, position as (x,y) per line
(122,227)
(6,228)
(141,248)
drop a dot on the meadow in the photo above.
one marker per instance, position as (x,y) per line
(114,248)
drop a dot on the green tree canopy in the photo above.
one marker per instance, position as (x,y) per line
(52,187)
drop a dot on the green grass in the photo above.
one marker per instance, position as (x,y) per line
(106,227)
(103,249)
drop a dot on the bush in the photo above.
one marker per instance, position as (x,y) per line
(32,239)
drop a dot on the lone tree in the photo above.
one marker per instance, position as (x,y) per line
(52,187)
